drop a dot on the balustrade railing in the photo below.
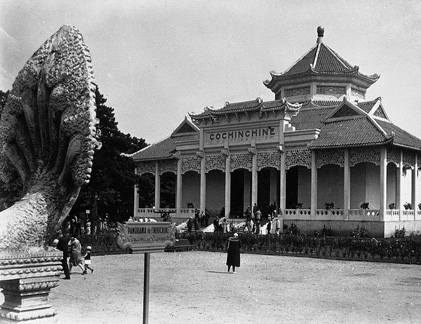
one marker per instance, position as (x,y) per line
(333,214)
(157,213)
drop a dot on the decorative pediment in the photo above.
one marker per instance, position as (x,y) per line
(185,127)
(379,112)
(345,110)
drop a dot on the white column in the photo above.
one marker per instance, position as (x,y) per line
(254,177)
(399,204)
(414,185)
(203,184)
(179,193)
(282,184)
(227,182)
(383,182)
(313,201)
(282,171)
(347,185)
(157,187)
(201,154)
(135,198)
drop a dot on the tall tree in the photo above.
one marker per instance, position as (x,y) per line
(9,192)
(110,191)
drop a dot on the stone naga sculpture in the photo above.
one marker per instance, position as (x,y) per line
(47,139)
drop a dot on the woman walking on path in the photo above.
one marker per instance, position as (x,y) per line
(75,254)
(233,256)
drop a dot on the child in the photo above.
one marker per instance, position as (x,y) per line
(88,260)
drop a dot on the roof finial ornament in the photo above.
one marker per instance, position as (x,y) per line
(320,34)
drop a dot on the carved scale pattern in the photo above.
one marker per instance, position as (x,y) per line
(241,161)
(215,162)
(146,167)
(269,160)
(364,154)
(298,157)
(393,156)
(324,157)
(191,163)
(167,166)
(47,139)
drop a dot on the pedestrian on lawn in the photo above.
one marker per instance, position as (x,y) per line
(233,255)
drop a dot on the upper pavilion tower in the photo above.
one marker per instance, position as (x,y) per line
(322,75)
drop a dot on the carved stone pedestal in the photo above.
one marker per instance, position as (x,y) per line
(26,280)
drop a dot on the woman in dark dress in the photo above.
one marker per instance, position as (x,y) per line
(233,256)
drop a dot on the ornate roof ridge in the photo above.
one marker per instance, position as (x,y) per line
(312,104)
(257,105)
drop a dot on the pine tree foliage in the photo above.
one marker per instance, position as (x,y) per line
(9,192)
(109,194)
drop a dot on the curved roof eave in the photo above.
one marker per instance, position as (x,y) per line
(310,72)
(317,147)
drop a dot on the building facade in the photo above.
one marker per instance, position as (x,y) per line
(320,153)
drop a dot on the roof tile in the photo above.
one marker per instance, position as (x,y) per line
(350,132)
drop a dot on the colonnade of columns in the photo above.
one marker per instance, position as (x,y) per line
(282,192)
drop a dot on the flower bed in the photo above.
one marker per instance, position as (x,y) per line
(105,243)
(402,250)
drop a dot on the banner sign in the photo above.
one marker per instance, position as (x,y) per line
(145,237)
(259,134)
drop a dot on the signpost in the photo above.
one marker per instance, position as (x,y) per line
(146,238)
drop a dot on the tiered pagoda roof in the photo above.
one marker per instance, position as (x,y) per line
(320,62)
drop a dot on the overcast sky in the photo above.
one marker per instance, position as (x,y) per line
(155,61)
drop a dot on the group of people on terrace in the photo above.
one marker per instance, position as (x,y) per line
(254,221)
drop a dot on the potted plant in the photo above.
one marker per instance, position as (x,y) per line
(364,205)
(419,206)
(298,205)
(329,205)
(392,206)
(408,206)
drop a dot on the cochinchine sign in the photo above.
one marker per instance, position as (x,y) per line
(243,135)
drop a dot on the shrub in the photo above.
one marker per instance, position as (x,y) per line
(400,232)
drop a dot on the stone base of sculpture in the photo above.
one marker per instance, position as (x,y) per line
(26,281)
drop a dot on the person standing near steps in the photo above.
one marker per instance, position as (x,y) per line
(233,249)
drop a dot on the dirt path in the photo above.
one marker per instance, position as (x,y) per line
(194,287)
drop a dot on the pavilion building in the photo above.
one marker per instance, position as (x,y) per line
(320,152)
